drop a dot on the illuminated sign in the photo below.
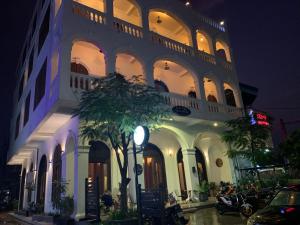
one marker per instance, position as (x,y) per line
(258,118)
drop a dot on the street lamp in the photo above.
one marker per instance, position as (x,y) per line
(140,138)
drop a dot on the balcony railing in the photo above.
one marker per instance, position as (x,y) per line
(128,28)
(88,13)
(80,82)
(137,32)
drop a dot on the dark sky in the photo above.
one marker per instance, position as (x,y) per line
(264,36)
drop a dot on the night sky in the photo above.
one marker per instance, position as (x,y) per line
(264,34)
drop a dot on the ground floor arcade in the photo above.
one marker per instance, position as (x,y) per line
(174,158)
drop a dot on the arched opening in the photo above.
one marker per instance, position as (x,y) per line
(182,180)
(100,165)
(223,51)
(70,149)
(201,166)
(41,186)
(22,189)
(154,168)
(229,95)
(56,174)
(94,4)
(87,58)
(30,183)
(129,11)
(168,75)
(167,25)
(210,89)
(129,65)
(204,42)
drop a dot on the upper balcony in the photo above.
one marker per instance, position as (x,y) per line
(161,27)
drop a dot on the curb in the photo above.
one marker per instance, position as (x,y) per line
(21,219)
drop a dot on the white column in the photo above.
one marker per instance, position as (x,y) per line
(190,169)
(221,93)
(81,173)
(131,174)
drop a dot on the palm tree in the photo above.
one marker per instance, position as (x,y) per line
(113,109)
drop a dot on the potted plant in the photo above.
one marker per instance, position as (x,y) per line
(120,218)
(64,205)
(203,191)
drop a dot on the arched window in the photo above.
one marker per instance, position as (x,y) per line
(204,42)
(22,189)
(168,75)
(201,167)
(41,185)
(128,65)
(182,180)
(154,168)
(79,68)
(223,51)
(210,90)
(161,86)
(94,4)
(100,165)
(56,174)
(85,57)
(167,25)
(129,11)
(229,95)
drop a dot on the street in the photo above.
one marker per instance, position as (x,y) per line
(211,217)
(200,217)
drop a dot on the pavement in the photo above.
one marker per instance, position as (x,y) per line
(210,216)
(204,216)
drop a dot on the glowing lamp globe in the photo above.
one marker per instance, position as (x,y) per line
(141,135)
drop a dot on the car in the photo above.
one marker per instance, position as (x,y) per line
(283,209)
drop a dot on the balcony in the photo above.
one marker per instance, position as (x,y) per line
(136,32)
(198,107)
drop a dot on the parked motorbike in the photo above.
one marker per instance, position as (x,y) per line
(174,216)
(234,203)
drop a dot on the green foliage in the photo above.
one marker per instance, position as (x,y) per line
(63,204)
(246,140)
(291,149)
(119,215)
(203,187)
(117,106)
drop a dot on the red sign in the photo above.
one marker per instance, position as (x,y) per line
(262,119)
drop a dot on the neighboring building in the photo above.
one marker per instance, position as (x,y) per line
(70,43)
(249,94)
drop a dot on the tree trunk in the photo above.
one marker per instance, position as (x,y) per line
(123,197)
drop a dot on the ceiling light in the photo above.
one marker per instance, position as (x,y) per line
(222,23)
(166,66)
(159,21)
(216,124)
(187,3)
(201,39)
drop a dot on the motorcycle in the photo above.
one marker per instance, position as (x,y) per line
(174,216)
(233,203)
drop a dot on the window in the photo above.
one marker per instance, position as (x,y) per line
(40,85)
(17,127)
(44,29)
(30,63)
(26,112)
(21,87)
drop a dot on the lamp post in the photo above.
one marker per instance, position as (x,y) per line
(140,138)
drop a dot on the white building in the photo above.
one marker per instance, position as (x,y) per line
(185,55)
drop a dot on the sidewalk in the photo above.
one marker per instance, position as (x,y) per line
(192,207)
(27,220)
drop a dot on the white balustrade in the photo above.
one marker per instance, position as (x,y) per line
(128,28)
(88,13)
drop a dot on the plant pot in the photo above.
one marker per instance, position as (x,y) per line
(203,197)
(58,220)
(131,221)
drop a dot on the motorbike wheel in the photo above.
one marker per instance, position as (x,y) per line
(247,211)
(221,211)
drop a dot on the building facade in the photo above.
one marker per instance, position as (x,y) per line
(70,43)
